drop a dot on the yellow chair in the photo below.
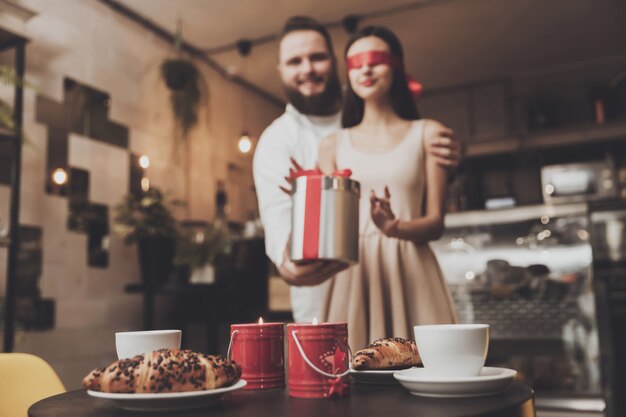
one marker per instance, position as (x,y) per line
(24,380)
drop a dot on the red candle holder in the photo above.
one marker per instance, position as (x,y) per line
(260,351)
(318,360)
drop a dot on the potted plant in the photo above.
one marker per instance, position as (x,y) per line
(198,250)
(147,219)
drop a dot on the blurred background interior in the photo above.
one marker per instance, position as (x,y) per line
(139,114)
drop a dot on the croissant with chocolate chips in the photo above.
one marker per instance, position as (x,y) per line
(392,353)
(165,370)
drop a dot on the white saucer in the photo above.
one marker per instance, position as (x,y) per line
(380,377)
(169,400)
(490,381)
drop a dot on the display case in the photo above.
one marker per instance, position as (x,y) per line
(527,273)
(608,243)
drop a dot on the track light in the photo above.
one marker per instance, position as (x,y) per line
(244,46)
(350,23)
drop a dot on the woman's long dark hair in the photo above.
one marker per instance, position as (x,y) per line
(400,95)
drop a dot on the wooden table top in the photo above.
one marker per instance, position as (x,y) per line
(364,401)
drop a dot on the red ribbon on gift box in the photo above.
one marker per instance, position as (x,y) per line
(312,208)
(312,216)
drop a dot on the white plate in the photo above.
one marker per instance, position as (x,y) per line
(167,401)
(490,381)
(381,377)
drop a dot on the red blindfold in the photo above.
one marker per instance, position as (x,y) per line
(373,58)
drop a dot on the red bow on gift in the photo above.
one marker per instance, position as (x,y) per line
(346,173)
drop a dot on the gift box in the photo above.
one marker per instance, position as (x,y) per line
(325,216)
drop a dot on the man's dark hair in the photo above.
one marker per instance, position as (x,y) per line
(401,99)
(296,23)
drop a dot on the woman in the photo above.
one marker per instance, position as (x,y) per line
(398,282)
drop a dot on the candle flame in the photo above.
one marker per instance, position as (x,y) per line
(314,320)
(260,320)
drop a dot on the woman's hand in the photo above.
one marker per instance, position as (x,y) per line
(382,216)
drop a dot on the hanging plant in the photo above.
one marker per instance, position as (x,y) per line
(187,88)
(184,81)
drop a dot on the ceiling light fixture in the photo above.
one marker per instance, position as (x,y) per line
(144,161)
(59,176)
(245,143)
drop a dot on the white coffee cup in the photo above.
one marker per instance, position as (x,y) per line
(129,344)
(452,350)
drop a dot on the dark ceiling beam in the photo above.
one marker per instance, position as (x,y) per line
(233,46)
(193,51)
(414,5)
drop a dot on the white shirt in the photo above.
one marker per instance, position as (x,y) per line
(298,136)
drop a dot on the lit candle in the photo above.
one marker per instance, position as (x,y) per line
(259,349)
(318,360)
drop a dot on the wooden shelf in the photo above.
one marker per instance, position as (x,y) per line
(515,214)
(563,137)
(504,145)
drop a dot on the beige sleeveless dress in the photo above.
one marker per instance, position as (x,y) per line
(397,284)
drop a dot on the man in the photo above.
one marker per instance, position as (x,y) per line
(308,70)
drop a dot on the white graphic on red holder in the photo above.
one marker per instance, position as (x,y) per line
(334,361)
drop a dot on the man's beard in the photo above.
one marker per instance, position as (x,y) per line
(323,104)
